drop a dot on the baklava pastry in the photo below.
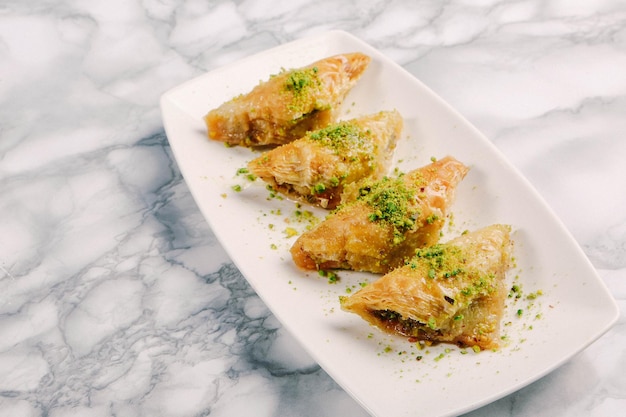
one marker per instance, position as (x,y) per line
(381,223)
(316,167)
(453,292)
(288,104)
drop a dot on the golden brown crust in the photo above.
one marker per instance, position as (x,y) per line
(452,292)
(316,167)
(358,236)
(287,105)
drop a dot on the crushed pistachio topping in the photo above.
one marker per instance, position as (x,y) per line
(432,323)
(432,218)
(319,188)
(347,140)
(302,83)
(481,285)
(444,261)
(245,172)
(332,276)
(351,144)
(299,79)
(290,232)
(340,136)
(390,200)
(306,217)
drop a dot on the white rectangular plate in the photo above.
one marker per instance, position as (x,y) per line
(390,376)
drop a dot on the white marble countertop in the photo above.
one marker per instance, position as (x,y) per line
(115,297)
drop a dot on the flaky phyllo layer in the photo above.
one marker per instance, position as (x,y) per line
(317,167)
(452,292)
(287,105)
(381,223)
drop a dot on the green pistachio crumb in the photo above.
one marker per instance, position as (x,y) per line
(330,275)
(431,323)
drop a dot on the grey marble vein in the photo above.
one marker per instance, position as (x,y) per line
(116,299)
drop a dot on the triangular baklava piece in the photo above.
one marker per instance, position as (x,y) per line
(287,105)
(381,223)
(316,167)
(452,292)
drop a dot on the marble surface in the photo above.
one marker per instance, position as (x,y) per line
(115,297)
